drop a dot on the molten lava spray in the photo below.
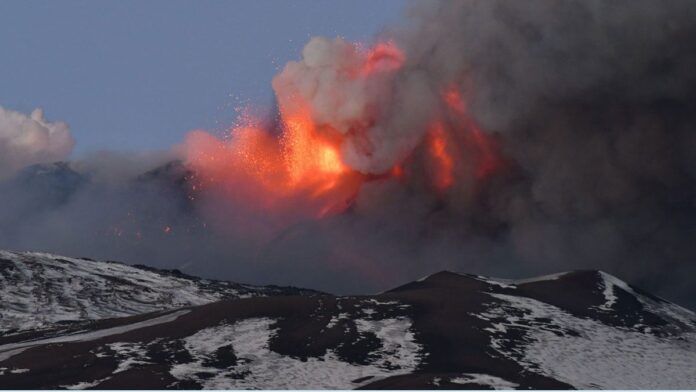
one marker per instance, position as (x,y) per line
(333,106)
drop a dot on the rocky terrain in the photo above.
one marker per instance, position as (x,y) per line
(40,291)
(131,327)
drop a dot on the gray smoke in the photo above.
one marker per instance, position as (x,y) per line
(593,105)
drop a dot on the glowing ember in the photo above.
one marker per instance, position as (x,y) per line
(302,168)
(265,170)
(488,160)
(397,171)
(304,162)
(443,176)
(308,156)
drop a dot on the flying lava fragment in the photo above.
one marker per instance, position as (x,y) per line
(329,103)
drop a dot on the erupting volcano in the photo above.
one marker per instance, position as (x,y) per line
(514,180)
(332,106)
(492,137)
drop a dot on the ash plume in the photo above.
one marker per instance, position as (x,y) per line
(593,103)
(564,129)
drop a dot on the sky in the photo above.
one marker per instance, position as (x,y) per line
(138,75)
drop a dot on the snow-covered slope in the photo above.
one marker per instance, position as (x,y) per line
(581,329)
(655,351)
(38,290)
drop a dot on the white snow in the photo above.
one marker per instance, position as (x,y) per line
(608,283)
(507,283)
(504,283)
(399,347)
(512,283)
(335,319)
(258,367)
(540,278)
(666,310)
(85,384)
(4,370)
(12,349)
(377,302)
(42,289)
(600,357)
(130,355)
(484,379)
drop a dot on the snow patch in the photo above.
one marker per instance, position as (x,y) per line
(484,379)
(540,278)
(258,367)
(4,370)
(667,310)
(130,355)
(9,350)
(381,303)
(335,319)
(586,353)
(85,384)
(39,289)
(504,283)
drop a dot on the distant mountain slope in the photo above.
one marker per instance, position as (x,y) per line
(38,290)
(582,329)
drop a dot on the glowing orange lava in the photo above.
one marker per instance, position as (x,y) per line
(307,155)
(488,160)
(444,171)
(301,168)
(267,171)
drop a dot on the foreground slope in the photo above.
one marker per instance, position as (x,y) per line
(583,329)
(38,290)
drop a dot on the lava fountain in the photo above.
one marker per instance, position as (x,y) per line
(330,106)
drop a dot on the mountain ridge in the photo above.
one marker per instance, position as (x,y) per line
(41,289)
(580,329)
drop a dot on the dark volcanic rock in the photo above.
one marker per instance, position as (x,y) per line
(583,329)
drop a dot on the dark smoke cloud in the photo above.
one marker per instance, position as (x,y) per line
(593,104)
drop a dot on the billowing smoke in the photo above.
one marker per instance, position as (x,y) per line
(355,93)
(493,137)
(593,103)
(26,140)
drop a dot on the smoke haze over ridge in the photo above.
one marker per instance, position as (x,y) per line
(591,104)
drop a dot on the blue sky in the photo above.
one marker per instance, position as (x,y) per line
(134,75)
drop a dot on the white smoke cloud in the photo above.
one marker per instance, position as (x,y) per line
(27,140)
